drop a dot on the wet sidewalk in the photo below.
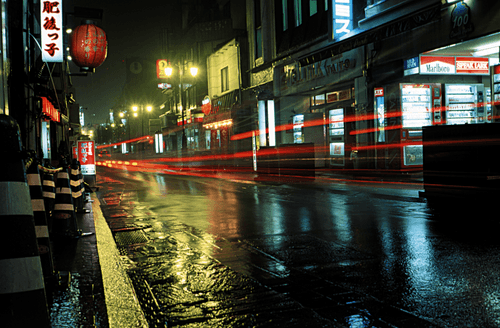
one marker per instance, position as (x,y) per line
(99,292)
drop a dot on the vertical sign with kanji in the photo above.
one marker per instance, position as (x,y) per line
(86,156)
(51,30)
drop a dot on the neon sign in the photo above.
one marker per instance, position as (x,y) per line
(342,18)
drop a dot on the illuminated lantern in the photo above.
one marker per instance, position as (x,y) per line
(88,47)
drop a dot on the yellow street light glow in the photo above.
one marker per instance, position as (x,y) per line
(121,114)
(193,71)
(134,163)
(135,114)
(135,108)
(149,108)
(168,71)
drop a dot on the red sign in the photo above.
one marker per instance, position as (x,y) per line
(50,111)
(206,105)
(379,92)
(161,64)
(86,156)
(75,152)
(472,65)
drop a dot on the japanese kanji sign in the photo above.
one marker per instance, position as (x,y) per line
(86,156)
(51,29)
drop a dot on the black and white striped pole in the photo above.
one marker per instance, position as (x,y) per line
(23,301)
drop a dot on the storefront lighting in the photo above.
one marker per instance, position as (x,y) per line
(486,52)
(216,125)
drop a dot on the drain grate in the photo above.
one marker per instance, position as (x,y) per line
(126,238)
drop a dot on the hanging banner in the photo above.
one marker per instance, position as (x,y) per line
(86,156)
(49,111)
(51,28)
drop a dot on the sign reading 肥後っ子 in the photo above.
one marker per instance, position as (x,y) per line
(86,156)
(51,22)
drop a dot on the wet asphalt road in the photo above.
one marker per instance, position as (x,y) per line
(212,252)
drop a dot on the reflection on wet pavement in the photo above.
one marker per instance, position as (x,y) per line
(222,254)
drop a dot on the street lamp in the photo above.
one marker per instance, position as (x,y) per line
(181,69)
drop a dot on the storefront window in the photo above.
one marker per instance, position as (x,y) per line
(318,100)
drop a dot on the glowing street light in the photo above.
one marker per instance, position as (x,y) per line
(169,72)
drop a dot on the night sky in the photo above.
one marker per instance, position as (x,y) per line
(133,29)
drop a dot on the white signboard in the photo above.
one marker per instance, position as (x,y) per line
(51,30)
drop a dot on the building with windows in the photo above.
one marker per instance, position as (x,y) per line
(360,79)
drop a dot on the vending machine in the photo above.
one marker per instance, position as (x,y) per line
(407,108)
(336,133)
(495,93)
(308,128)
(465,104)
(298,128)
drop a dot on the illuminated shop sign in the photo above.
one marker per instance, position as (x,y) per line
(342,18)
(411,66)
(86,156)
(472,65)
(51,31)
(446,65)
(437,65)
(164,86)
(161,64)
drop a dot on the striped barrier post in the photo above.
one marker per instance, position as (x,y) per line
(64,217)
(76,190)
(22,290)
(39,214)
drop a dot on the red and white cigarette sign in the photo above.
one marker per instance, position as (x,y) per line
(86,156)
(51,21)
(472,65)
(437,65)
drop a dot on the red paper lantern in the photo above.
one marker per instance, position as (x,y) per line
(89,47)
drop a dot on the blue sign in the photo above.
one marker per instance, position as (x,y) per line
(411,63)
(342,18)
(411,66)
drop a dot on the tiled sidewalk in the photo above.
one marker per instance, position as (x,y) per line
(99,293)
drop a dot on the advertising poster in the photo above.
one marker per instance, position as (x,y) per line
(86,156)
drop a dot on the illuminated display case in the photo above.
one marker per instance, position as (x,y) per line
(336,135)
(417,106)
(298,125)
(495,93)
(464,104)
(402,110)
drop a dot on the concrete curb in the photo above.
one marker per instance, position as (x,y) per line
(121,300)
